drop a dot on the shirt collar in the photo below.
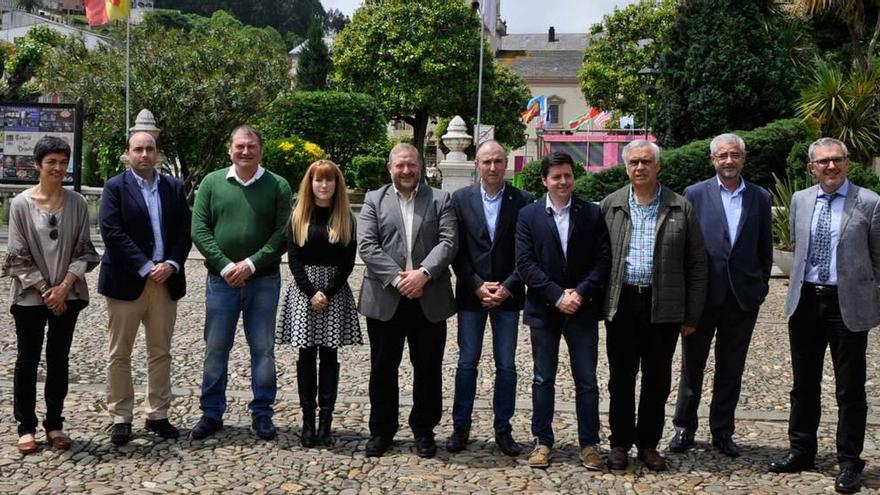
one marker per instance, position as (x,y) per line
(634,201)
(739,189)
(549,205)
(411,196)
(232,175)
(142,183)
(497,195)
(842,191)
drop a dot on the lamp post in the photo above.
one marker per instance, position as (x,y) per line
(646,74)
(477,134)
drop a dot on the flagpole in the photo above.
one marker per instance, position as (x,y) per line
(127,75)
(478,133)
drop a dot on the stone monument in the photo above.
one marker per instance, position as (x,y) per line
(457,170)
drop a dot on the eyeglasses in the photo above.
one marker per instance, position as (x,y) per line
(724,156)
(53,222)
(824,162)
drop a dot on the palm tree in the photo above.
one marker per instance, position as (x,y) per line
(852,12)
(29,5)
(846,107)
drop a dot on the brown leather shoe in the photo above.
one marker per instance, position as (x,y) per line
(58,439)
(652,459)
(618,459)
(28,446)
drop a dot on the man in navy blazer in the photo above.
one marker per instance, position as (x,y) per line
(563,256)
(487,286)
(145,224)
(736,222)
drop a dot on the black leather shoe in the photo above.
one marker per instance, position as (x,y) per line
(507,444)
(120,433)
(263,427)
(791,464)
(426,447)
(205,428)
(848,480)
(377,446)
(162,427)
(618,459)
(458,440)
(726,446)
(681,441)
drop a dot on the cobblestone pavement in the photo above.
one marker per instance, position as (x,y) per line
(234,461)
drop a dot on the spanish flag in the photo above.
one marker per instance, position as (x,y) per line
(100,12)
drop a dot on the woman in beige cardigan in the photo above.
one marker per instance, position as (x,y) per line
(48,255)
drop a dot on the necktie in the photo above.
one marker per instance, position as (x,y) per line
(822,239)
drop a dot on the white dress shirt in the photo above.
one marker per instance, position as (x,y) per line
(812,274)
(733,203)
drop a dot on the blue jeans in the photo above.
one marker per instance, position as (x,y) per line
(257,301)
(471,328)
(583,341)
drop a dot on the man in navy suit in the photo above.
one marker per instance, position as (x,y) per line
(564,257)
(145,224)
(736,223)
(487,287)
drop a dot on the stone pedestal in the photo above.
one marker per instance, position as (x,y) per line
(457,170)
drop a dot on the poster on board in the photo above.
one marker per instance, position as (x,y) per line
(22,125)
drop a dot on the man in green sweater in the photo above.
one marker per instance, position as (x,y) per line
(239,225)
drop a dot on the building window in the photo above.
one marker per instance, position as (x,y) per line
(553,110)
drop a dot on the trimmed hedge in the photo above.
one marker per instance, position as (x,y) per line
(366,173)
(774,148)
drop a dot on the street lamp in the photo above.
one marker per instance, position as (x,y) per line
(479,8)
(647,74)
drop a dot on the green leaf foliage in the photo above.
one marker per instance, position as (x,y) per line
(618,50)
(726,68)
(417,59)
(343,124)
(314,61)
(595,186)
(21,60)
(199,83)
(288,17)
(367,172)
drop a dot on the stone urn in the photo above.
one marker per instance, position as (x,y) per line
(784,260)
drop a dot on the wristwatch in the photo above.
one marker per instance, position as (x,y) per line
(43,288)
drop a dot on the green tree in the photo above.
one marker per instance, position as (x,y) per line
(200,84)
(21,60)
(502,103)
(624,42)
(314,61)
(343,124)
(291,18)
(721,74)
(418,59)
(862,21)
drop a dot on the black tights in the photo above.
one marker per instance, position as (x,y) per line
(308,356)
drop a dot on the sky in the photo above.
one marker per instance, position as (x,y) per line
(533,16)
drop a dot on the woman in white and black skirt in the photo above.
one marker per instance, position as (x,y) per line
(319,313)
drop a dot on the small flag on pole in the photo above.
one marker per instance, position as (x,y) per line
(535,106)
(100,12)
(600,120)
(583,119)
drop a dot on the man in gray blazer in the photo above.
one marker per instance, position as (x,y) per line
(407,238)
(833,300)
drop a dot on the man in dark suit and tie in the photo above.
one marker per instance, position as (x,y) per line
(564,258)
(833,300)
(145,224)
(407,239)
(736,223)
(487,286)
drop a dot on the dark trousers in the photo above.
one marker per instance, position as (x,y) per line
(635,343)
(732,329)
(815,325)
(582,339)
(426,342)
(30,327)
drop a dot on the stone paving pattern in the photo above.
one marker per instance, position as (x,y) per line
(235,461)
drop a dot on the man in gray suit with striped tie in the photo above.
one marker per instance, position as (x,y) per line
(833,300)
